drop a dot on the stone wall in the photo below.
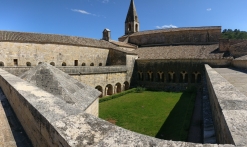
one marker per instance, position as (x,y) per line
(49,121)
(105,81)
(176,36)
(242,64)
(228,108)
(30,54)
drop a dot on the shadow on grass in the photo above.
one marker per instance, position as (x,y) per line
(176,126)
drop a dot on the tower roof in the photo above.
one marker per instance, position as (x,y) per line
(131,13)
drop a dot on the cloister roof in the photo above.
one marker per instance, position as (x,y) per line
(181,52)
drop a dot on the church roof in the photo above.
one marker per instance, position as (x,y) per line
(181,52)
(131,13)
(53,39)
(173,30)
(62,85)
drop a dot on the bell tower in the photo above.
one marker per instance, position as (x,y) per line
(131,22)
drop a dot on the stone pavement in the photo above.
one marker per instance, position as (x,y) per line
(236,77)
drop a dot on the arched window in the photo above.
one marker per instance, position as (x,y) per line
(1,64)
(39,62)
(100,64)
(129,27)
(52,63)
(92,64)
(63,64)
(99,88)
(137,28)
(83,64)
(28,64)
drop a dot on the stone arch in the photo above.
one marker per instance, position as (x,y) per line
(108,90)
(196,77)
(140,75)
(63,64)
(100,64)
(1,64)
(118,88)
(126,85)
(171,77)
(83,64)
(100,89)
(52,63)
(28,64)
(160,76)
(150,76)
(183,77)
(136,28)
(92,64)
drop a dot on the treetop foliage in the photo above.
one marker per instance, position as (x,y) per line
(234,34)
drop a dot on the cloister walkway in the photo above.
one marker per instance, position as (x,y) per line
(238,78)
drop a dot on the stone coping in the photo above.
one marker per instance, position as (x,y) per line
(79,69)
(232,104)
(75,127)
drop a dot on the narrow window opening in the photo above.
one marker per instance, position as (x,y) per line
(76,63)
(15,62)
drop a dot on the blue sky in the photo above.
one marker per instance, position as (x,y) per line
(88,18)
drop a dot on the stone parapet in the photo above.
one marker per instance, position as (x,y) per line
(229,109)
(73,70)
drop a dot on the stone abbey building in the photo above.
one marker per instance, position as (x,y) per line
(52,78)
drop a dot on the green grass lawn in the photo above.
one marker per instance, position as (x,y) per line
(164,115)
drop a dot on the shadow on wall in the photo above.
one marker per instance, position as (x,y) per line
(176,126)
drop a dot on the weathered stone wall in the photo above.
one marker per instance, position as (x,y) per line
(35,53)
(93,108)
(228,108)
(49,121)
(203,36)
(172,74)
(242,64)
(116,58)
(104,80)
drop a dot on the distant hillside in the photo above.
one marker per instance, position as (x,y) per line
(234,34)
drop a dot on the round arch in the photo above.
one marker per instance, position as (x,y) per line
(52,63)
(100,89)
(83,64)
(126,85)
(92,64)
(28,64)
(118,88)
(63,64)
(100,64)
(1,64)
(108,89)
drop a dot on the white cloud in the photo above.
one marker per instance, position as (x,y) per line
(166,26)
(209,9)
(82,11)
(105,1)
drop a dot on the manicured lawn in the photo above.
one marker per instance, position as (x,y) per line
(163,115)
